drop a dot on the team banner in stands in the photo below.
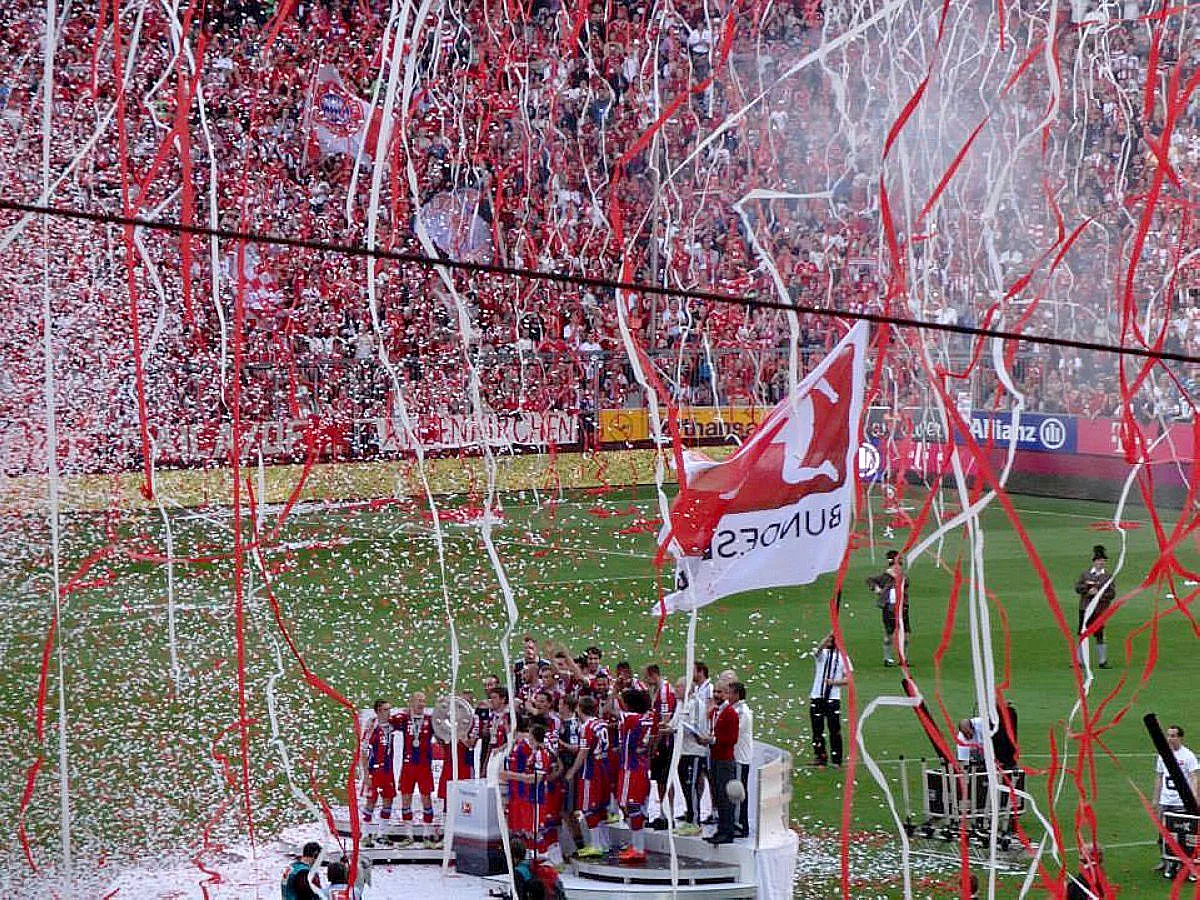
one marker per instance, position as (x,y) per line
(263,296)
(455,224)
(446,432)
(777,512)
(22,446)
(341,122)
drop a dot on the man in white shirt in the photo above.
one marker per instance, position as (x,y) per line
(700,41)
(743,756)
(969,740)
(969,750)
(1166,794)
(946,314)
(693,750)
(705,690)
(825,701)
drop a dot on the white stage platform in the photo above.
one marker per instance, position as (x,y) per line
(770,866)
(761,867)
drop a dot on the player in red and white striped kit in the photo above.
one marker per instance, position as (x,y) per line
(534,782)
(663,705)
(497,738)
(415,725)
(635,739)
(549,719)
(625,680)
(592,770)
(381,777)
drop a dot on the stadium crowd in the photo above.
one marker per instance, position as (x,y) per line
(599,141)
(590,746)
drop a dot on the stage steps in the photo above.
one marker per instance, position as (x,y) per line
(739,855)
(589,889)
(578,888)
(704,872)
(382,839)
(655,870)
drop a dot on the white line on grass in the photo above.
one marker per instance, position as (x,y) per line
(1120,846)
(914,760)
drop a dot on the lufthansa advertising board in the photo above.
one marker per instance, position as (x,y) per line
(1034,431)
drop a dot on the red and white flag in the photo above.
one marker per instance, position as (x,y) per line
(263,296)
(777,512)
(341,122)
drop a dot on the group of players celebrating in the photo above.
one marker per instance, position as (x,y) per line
(588,744)
(412,730)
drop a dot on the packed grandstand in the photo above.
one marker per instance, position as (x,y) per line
(637,141)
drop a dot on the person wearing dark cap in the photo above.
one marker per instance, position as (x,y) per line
(1096,590)
(890,588)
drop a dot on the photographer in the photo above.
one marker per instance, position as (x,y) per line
(832,673)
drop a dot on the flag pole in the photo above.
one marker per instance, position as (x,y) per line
(306,123)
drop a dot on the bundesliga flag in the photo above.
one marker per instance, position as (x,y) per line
(778,511)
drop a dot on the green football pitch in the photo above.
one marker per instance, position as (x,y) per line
(153,738)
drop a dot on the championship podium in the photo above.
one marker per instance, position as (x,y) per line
(758,867)
(468,832)
(391,840)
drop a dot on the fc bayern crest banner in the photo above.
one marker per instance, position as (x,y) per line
(342,123)
(777,512)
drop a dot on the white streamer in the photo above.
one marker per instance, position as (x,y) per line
(49,386)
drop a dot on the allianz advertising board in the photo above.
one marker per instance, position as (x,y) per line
(1034,431)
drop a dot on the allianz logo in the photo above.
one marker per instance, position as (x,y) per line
(1050,433)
